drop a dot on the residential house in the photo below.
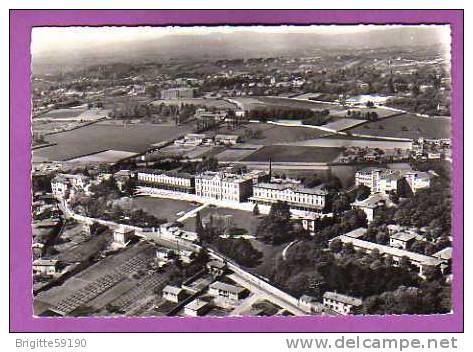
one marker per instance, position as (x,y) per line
(340,303)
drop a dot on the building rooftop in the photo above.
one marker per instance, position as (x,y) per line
(307,299)
(178,88)
(420,174)
(370,170)
(123,229)
(372,201)
(216,264)
(196,304)
(404,236)
(227,136)
(172,289)
(445,254)
(227,287)
(166,173)
(67,177)
(45,262)
(227,177)
(343,298)
(357,233)
(395,252)
(294,187)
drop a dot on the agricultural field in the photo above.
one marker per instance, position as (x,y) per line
(170,209)
(107,156)
(264,102)
(119,102)
(289,153)
(237,153)
(97,137)
(407,126)
(343,124)
(207,102)
(339,141)
(382,112)
(63,113)
(62,120)
(267,134)
(44,126)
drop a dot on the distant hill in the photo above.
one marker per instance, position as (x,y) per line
(240,44)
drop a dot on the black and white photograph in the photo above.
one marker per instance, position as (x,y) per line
(237,170)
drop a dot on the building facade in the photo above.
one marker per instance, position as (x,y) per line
(223,186)
(297,197)
(196,308)
(121,235)
(403,240)
(62,184)
(380,180)
(372,205)
(45,267)
(341,304)
(173,294)
(221,289)
(418,180)
(173,181)
(177,93)
(416,260)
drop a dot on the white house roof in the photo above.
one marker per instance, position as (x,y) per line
(196,304)
(395,252)
(45,262)
(343,298)
(172,289)
(445,254)
(357,233)
(292,187)
(372,201)
(404,236)
(226,287)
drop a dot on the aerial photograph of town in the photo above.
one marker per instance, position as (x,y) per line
(231,171)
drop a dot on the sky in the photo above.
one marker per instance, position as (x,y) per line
(67,38)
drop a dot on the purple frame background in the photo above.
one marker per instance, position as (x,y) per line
(21,316)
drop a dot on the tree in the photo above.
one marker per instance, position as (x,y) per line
(336,245)
(276,228)
(256,211)
(362,192)
(280,211)
(394,197)
(240,250)
(382,237)
(404,263)
(199,228)
(340,204)
(129,187)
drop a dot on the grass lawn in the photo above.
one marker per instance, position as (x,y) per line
(163,208)
(240,219)
(407,126)
(288,153)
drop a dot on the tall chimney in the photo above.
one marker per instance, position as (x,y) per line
(270,169)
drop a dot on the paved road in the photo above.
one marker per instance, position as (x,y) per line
(245,306)
(192,212)
(266,294)
(284,251)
